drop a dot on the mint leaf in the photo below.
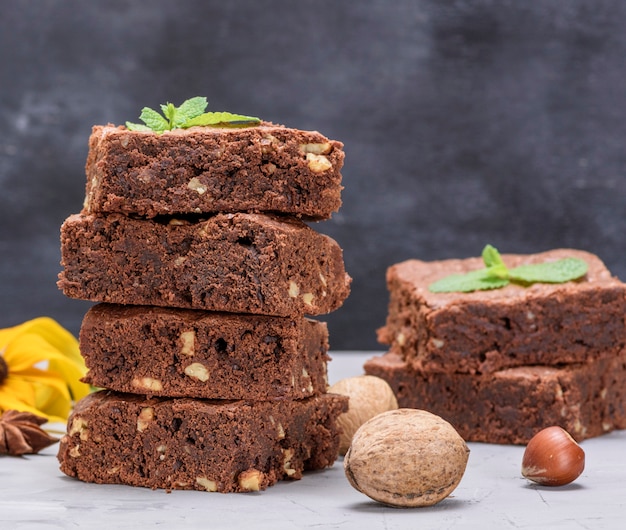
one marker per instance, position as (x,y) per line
(560,271)
(496,274)
(154,120)
(221,119)
(493,262)
(478,280)
(138,127)
(192,108)
(188,114)
(491,256)
(188,110)
(169,111)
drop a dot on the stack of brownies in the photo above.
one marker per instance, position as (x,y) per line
(194,244)
(502,364)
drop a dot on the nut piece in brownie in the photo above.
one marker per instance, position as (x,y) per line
(238,263)
(267,168)
(187,353)
(510,406)
(225,446)
(485,331)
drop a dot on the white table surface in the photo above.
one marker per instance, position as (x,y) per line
(34,494)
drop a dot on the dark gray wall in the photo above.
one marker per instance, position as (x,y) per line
(464,122)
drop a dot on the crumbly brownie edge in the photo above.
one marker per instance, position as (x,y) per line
(194,444)
(188,353)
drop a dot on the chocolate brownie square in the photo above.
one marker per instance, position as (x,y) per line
(267,168)
(510,406)
(219,445)
(189,353)
(485,331)
(238,263)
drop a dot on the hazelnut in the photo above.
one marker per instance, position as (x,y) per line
(406,458)
(553,458)
(369,396)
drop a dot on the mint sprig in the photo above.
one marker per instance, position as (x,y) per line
(496,274)
(189,114)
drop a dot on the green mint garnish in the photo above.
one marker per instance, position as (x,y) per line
(188,114)
(496,274)
(479,280)
(221,119)
(560,271)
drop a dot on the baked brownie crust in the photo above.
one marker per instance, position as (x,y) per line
(510,406)
(225,446)
(207,170)
(485,331)
(186,353)
(238,263)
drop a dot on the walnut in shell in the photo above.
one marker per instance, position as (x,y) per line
(406,458)
(369,396)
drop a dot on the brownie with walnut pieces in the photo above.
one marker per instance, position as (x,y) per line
(485,331)
(224,446)
(189,353)
(266,168)
(510,406)
(237,263)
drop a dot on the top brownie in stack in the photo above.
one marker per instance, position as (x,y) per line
(265,168)
(485,331)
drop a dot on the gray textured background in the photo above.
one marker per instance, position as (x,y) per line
(464,122)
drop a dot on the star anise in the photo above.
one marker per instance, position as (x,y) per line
(20,433)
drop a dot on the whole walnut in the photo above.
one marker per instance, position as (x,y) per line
(369,396)
(406,458)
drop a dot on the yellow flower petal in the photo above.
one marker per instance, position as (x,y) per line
(28,348)
(8,401)
(50,330)
(45,367)
(45,378)
(72,374)
(20,389)
(49,401)
(67,344)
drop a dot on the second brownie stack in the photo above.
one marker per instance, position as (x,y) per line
(502,364)
(195,245)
